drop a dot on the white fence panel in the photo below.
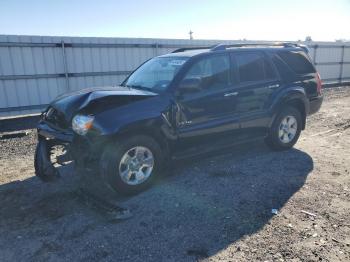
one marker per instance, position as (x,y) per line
(35,69)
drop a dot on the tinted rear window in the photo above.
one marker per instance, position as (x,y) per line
(253,67)
(297,61)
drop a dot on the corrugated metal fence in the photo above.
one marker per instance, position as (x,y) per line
(34,69)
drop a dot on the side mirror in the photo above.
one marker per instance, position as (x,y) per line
(189,85)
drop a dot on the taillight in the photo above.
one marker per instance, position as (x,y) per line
(319,83)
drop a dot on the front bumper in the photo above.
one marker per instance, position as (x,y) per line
(48,132)
(84,151)
(47,138)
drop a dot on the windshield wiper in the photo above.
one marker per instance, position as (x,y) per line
(141,87)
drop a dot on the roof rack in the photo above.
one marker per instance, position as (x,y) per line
(221,47)
(281,44)
(183,49)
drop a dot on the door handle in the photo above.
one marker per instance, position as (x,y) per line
(273,86)
(231,94)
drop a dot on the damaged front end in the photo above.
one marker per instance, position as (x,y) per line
(69,124)
(58,146)
(53,146)
(44,165)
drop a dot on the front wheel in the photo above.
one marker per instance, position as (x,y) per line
(131,165)
(285,130)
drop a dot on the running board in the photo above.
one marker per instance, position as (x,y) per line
(201,150)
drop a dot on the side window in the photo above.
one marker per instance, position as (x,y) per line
(269,71)
(213,72)
(253,67)
(297,61)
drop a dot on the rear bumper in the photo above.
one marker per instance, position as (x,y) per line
(315,104)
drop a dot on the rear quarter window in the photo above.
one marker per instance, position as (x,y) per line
(297,62)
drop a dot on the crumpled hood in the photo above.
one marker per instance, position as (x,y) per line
(94,100)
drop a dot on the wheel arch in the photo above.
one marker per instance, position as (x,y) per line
(295,98)
(149,128)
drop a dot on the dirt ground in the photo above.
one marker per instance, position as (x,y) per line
(212,208)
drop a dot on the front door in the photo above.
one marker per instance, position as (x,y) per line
(206,115)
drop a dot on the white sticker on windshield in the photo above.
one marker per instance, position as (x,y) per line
(177,62)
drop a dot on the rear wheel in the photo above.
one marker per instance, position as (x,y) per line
(131,165)
(285,130)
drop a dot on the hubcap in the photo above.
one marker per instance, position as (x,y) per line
(288,129)
(136,165)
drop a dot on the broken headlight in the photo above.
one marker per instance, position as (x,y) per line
(81,124)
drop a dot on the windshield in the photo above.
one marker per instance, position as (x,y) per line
(156,74)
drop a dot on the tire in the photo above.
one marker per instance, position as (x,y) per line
(279,142)
(114,155)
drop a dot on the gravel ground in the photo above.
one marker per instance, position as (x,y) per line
(212,208)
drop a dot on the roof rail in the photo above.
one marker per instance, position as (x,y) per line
(183,49)
(220,47)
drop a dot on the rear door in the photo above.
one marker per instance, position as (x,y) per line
(258,80)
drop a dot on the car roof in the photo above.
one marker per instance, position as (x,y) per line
(192,51)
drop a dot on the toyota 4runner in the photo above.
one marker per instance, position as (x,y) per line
(177,105)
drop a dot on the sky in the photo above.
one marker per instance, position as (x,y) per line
(323,20)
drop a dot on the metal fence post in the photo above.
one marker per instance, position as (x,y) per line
(341,64)
(65,67)
(156,48)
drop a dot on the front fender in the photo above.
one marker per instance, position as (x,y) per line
(155,127)
(149,117)
(143,112)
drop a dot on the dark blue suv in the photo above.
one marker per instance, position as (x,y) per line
(178,105)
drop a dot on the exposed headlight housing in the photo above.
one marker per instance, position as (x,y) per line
(81,124)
